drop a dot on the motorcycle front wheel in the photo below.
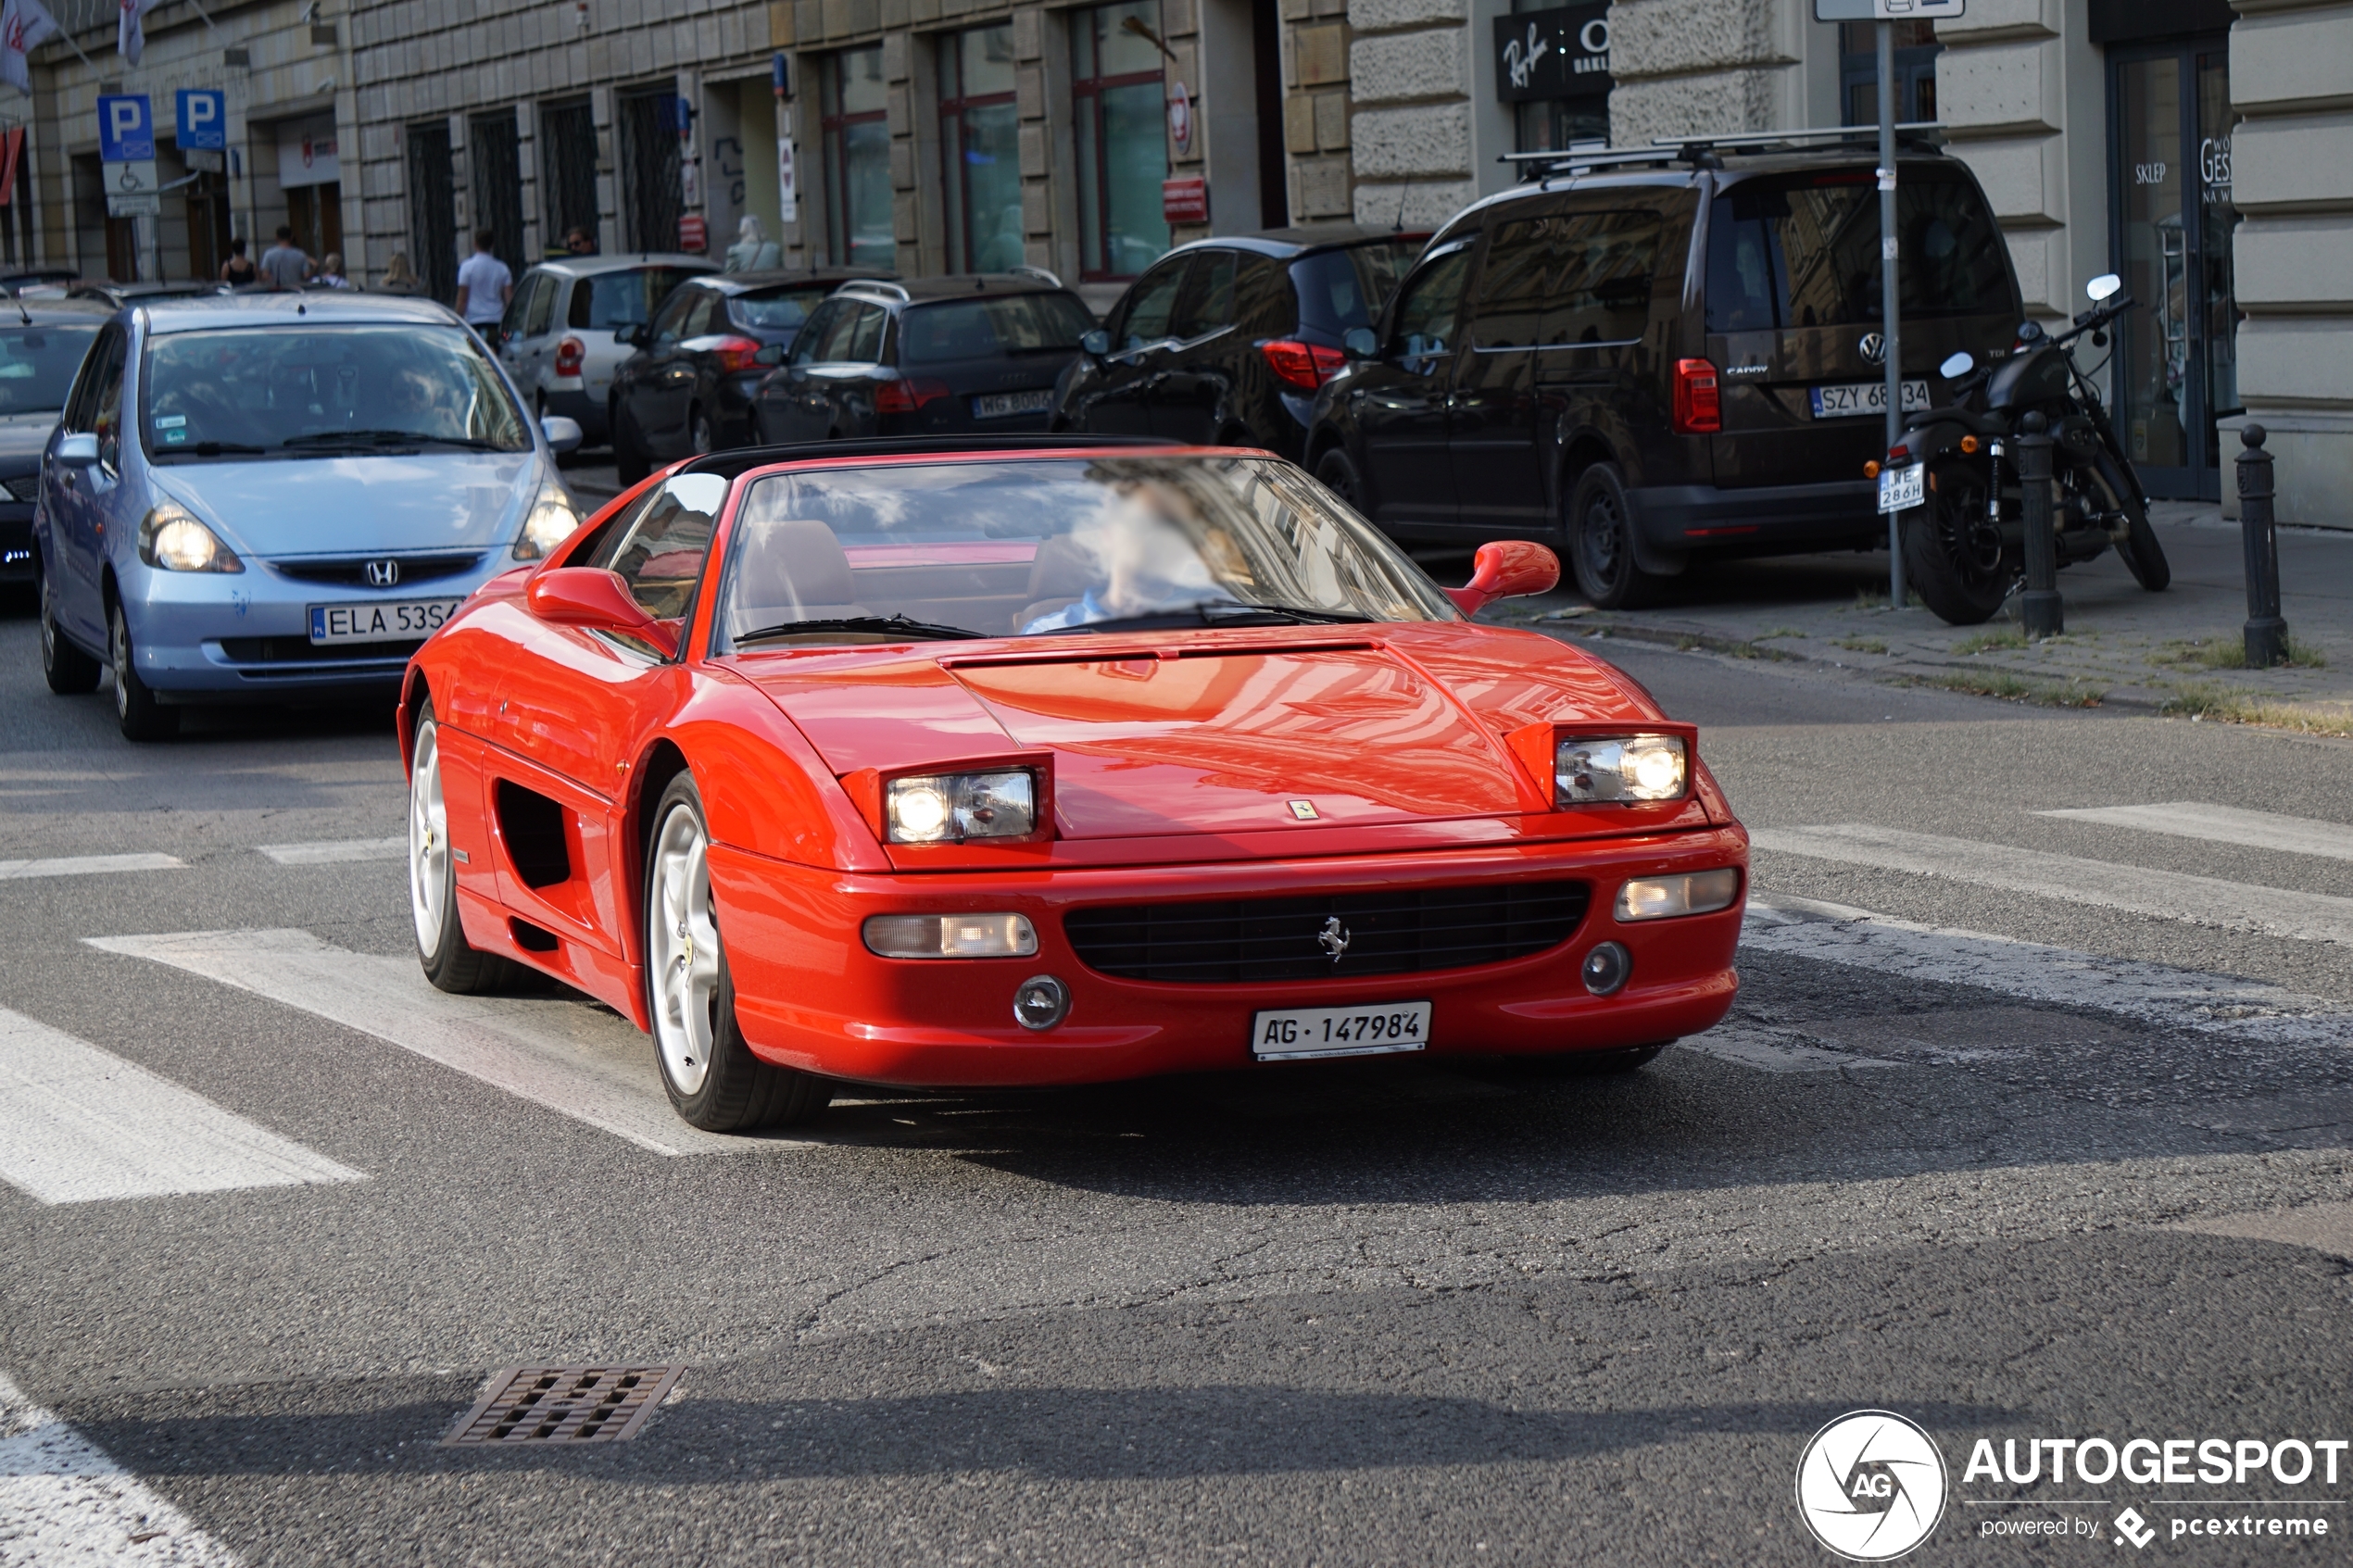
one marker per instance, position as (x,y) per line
(2141,554)
(1953,553)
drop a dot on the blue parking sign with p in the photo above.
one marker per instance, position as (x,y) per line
(126,128)
(203,118)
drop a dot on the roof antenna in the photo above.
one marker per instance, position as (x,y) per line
(1399,227)
(18,300)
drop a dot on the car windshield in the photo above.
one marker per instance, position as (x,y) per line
(1339,289)
(1066,544)
(1803,251)
(613,300)
(982,329)
(778,309)
(37,366)
(324,390)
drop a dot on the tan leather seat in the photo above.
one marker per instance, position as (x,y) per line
(1059,577)
(790,568)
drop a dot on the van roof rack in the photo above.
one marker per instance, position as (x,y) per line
(1704,152)
(880,285)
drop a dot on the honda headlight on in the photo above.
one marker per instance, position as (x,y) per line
(549,524)
(950,808)
(171,538)
(1617,769)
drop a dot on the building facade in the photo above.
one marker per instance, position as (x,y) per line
(2199,147)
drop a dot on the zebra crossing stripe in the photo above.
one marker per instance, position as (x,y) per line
(79,1125)
(2199,900)
(89,865)
(2226,825)
(65,1504)
(331,852)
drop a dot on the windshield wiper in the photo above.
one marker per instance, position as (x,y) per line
(888,625)
(1214,612)
(390,438)
(210,449)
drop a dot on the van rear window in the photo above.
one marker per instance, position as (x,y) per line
(1803,251)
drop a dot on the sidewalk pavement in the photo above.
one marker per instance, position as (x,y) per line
(2180,651)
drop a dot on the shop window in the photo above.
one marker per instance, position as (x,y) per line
(980,140)
(855,123)
(432,210)
(655,185)
(567,172)
(1916,52)
(1122,147)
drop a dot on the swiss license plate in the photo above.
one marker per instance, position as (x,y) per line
(1845,400)
(396,621)
(999,405)
(1900,489)
(1374,1029)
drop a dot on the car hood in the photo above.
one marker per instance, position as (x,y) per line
(342,506)
(24,435)
(1219,736)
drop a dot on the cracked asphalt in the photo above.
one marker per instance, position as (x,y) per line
(1369,1313)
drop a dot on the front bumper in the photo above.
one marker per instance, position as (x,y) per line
(948,1023)
(1762,519)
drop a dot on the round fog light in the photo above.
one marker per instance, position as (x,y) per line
(1605,969)
(1040,1002)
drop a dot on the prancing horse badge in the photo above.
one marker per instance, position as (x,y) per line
(1303,809)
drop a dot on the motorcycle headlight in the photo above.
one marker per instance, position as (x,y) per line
(549,524)
(1601,770)
(171,539)
(949,807)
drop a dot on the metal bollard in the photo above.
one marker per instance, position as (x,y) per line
(2040,606)
(2266,632)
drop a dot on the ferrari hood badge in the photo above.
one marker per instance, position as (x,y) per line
(1333,938)
(1303,809)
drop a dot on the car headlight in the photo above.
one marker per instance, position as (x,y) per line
(173,540)
(949,807)
(950,936)
(1664,898)
(1588,771)
(549,524)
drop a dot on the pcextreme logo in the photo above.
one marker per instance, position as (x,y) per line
(1871,1486)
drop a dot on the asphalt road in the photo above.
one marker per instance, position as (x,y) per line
(1964,1162)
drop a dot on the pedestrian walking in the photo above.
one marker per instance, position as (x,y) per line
(580,242)
(400,277)
(239,269)
(286,265)
(753,250)
(483,287)
(331,274)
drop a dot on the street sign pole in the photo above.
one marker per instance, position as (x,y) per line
(1890,325)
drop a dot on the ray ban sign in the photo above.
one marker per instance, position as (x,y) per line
(1562,53)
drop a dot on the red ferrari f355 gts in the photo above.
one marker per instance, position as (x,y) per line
(1052,762)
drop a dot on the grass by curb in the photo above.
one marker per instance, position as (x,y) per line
(2230,653)
(2205,699)
(2012,688)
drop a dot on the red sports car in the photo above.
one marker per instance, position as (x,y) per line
(982,764)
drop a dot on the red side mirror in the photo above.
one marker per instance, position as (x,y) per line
(592,597)
(1507,569)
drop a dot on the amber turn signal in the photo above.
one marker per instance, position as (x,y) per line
(1871,470)
(1968,446)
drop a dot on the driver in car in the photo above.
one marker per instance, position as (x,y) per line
(1146,560)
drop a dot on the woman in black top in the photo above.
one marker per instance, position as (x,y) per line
(238,269)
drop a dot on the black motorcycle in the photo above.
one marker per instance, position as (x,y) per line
(1954,477)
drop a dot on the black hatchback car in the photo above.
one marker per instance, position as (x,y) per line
(975,354)
(688,388)
(1644,358)
(1227,340)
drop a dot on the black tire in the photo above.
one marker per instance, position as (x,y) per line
(1338,474)
(629,462)
(2141,554)
(1600,535)
(68,671)
(1954,555)
(701,439)
(136,711)
(450,961)
(737,1092)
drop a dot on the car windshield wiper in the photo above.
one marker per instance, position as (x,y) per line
(1215,612)
(211,449)
(888,625)
(391,438)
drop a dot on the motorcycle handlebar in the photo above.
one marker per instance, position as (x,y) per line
(2093,320)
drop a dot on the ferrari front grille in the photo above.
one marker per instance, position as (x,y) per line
(1325,937)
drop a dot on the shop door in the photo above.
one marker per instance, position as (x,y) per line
(2176,368)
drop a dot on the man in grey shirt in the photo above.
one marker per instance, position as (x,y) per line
(285,264)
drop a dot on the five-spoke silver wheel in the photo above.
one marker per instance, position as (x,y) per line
(428,842)
(683,950)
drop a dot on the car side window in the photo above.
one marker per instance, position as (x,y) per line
(1433,299)
(541,315)
(673,315)
(1207,304)
(866,340)
(81,405)
(707,304)
(1152,304)
(106,413)
(660,552)
(808,344)
(1265,303)
(1507,307)
(1599,276)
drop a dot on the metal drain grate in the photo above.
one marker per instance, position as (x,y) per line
(568,1404)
